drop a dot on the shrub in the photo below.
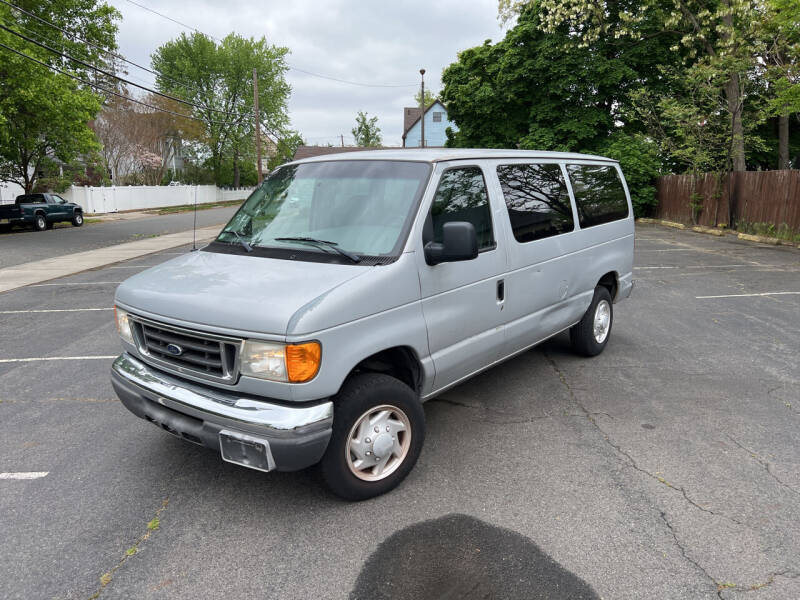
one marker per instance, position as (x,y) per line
(641,164)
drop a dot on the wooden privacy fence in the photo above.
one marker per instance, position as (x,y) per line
(755,196)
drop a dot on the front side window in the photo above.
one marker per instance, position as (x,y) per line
(437,117)
(536,199)
(462,196)
(599,195)
(361,206)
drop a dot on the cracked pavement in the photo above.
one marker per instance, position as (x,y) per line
(667,467)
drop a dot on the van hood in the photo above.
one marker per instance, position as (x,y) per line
(229,291)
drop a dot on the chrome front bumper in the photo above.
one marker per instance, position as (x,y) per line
(295,436)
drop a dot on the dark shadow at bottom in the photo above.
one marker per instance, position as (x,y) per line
(458,556)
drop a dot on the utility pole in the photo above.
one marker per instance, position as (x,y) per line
(341,135)
(258,127)
(422,114)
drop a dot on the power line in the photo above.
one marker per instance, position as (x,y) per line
(122,79)
(299,70)
(107,91)
(277,136)
(97,46)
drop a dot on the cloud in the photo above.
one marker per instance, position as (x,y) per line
(368,42)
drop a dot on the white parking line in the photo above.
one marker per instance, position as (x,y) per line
(76,283)
(747,295)
(697,267)
(24,475)
(44,358)
(51,310)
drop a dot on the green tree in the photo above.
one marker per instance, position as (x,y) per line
(721,37)
(430,98)
(782,57)
(538,89)
(287,146)
(46,113)
(218,78)
(366,132)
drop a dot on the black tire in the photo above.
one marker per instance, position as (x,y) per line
(582,335)
(39,222)
(357,397)
(77,219)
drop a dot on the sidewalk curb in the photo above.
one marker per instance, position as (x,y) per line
(760,239)
(12,278)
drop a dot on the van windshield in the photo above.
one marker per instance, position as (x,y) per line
(361,207)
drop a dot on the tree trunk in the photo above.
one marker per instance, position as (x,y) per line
(783,142)
(732,94)
(236,168)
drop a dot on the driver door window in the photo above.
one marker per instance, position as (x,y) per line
(462,196)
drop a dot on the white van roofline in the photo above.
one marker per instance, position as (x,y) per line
(433,155)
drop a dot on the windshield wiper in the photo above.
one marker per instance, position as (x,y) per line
(242,241)
(323,243)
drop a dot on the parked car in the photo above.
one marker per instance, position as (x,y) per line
(40,211)
(347,290)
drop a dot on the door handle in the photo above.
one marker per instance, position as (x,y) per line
(501,291)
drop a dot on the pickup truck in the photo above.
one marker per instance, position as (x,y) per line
(40,211)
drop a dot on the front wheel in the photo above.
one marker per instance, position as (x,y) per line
(590,335)
(77,219)
(378,431)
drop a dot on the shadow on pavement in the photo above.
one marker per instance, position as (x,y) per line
(458,556)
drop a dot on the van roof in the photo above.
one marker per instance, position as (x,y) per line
(442,154)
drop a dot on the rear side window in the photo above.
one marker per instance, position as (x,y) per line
(30,199)
(462,196)
(599,195)
(536,199)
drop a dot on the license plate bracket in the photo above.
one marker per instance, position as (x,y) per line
(246,450)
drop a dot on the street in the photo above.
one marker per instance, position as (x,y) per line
(666,467)
(20,246)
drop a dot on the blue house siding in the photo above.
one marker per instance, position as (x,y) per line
(434,132)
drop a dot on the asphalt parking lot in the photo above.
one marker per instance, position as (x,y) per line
(667,467)
(19,246)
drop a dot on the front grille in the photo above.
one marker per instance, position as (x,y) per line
(186,351)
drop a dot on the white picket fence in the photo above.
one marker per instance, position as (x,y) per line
(140,197)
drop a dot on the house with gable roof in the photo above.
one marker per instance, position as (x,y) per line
(436,122)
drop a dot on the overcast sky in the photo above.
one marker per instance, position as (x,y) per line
(369,42)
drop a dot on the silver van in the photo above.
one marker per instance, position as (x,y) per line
(349,289)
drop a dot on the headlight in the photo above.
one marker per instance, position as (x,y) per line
(293,363)
(123,325)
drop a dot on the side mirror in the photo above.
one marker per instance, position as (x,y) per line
(459,242)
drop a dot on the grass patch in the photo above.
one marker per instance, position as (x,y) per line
(169,210)
(152,526)
(782,231)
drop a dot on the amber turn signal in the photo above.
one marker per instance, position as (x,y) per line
(302,361)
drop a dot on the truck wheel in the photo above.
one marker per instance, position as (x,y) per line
(590,335)
(77,219)
(378,430)
(39,222)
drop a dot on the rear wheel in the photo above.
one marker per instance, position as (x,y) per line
(39,222)
(590,335)
(77,219)
(378,431)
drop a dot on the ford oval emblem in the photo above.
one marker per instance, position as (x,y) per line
(174,349)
